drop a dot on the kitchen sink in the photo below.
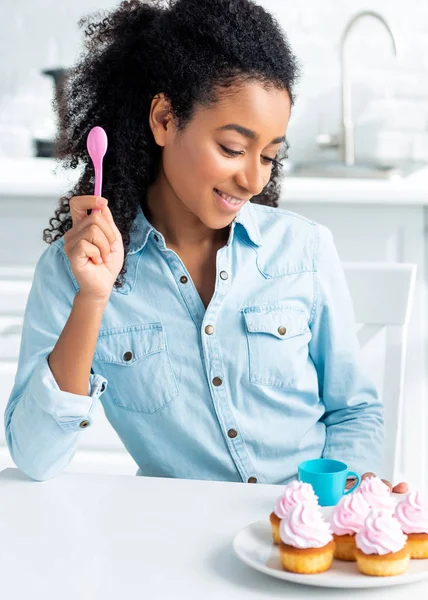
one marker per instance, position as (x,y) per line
(336,169)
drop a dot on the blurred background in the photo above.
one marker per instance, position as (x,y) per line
(357,161)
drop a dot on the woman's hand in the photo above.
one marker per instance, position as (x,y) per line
(399,488)
(94,247)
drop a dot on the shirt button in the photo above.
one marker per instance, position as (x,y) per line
(217,381)
(209,329)
(127,356)
(252,480)
(84,424)
(156,238)
(224,275)
(183,279)
(232,433)
(282,330)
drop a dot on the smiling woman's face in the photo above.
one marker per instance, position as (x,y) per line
(227,148)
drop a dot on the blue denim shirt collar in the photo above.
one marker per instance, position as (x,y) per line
(246,219)
(141,228)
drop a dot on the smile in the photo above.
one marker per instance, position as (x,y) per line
(230,199)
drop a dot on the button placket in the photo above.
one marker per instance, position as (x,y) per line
(216,374)
(188,292)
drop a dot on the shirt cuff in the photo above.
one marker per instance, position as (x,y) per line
(71,411)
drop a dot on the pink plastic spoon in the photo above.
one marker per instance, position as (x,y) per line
(97,147)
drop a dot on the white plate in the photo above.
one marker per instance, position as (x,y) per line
(253,545)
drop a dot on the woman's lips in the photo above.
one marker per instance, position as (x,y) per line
(231,202)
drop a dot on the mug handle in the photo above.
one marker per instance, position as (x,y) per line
(356,484)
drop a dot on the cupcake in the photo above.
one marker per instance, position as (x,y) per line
(381,545)
(294,493)
(347,519)
(376,494)
(412,514)
(307,544)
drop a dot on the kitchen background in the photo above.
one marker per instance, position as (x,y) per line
(373,218)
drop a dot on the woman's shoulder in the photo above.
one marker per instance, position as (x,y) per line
(287,242)
(279,223)
(53,265)
(265,215)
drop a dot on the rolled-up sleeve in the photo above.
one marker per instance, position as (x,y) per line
(43,423)
(353,412)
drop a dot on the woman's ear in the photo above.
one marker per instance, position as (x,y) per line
(160,119)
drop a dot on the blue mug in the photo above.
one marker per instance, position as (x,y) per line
(328,478)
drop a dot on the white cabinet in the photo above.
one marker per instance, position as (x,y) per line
(384,232)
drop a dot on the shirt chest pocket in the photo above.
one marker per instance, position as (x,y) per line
(137,366)
(278,340)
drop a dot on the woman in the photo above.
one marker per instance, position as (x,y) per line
(216,329)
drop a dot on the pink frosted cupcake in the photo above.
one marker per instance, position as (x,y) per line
(294,493)
(347,519)
(412,514)
(381,545)
(307,545)
(376,494)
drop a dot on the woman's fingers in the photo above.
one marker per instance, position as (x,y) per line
(94,234)
(106,213)
(386,482)
(370,474)
(95,229)
(79,206)
(401,488)
(84,249)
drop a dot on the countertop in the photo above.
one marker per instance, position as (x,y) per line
(35,177)
(103,537)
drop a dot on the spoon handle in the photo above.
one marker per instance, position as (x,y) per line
(98,168)
(98,178)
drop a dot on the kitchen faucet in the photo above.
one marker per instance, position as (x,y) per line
(346,140)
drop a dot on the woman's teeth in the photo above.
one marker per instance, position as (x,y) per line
(230,199)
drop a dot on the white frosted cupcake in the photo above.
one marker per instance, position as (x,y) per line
(294,493)
(381,545)
(307,544)
(346,521)
(412,514)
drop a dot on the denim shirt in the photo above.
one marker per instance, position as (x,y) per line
(268,375)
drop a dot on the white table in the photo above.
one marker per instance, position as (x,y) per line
(101,537)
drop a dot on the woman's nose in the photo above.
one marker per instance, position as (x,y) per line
(251,179)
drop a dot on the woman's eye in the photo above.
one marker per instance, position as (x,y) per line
(231,152)
(266,159)
(272,161)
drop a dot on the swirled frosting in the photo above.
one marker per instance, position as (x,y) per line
(305,527)
(294,493)
(376,494)
(349,515)
(412,514)
(380,534)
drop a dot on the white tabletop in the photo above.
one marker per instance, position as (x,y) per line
(101,537)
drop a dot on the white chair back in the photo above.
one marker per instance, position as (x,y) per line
(382,294)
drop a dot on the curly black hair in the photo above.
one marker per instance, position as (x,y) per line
(187,49)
